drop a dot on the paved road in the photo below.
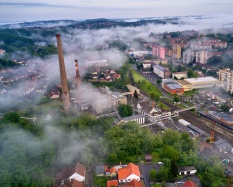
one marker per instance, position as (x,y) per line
(145,170)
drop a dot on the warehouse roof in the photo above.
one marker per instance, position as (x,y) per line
(174,86)
(201,79)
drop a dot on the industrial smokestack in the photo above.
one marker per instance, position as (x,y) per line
(78,79)
(65,91)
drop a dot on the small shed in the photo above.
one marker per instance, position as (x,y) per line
(187,170)
(148,158)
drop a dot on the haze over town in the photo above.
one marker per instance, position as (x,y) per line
(146,94)
(89,9)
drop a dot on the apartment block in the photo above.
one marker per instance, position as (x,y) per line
(225,77)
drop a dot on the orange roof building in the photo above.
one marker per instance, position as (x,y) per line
(80,172)
(190,183)
(129,173)
(112,183)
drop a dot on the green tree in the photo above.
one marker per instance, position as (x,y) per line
(225,108)
(155,96)
(153,174)
(174,168)
(190,73)
(176,99)
(125,110)
(159,81)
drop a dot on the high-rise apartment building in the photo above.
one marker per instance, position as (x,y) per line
(158,51)
(225,77)
(176,51)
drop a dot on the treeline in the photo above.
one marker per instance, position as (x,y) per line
(7,63)
(13,41)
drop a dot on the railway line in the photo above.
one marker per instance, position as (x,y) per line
(204,124)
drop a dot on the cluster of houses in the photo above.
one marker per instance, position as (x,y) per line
(102,74)
(119,176)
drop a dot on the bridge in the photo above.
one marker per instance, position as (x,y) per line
(165,116)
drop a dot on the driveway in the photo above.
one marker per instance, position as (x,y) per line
(145,171)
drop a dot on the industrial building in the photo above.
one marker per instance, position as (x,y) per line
(185,85)
(225,78)
(118,98)
(172,86)
(202,82)
(223,119)
(161,71)
(137,118)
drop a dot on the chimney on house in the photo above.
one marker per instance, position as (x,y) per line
(65,90)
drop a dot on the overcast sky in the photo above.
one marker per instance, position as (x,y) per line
(32,10)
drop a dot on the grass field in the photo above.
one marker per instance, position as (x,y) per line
(147,86)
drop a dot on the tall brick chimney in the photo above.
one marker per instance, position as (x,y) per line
(65,90)
(78,80)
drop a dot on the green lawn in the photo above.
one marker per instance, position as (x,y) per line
(147,87)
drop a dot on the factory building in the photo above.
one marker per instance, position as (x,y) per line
(161,71)
(118,98)
(185,85)
(172,86)
(202,82)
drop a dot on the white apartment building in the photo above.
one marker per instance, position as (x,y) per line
(225,77)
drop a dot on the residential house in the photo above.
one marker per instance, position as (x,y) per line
(2,51)
(187,170)
(133,183)
(112,183)
(128,173)
(189,183)
(63,176)
(79,173)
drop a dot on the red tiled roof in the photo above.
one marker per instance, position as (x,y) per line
(80,169)
(133,183)
(136,183)
(190,183)
(64,174)
(112,183)
(112,170)
(123,173)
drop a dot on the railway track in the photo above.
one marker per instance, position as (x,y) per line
(204,124)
